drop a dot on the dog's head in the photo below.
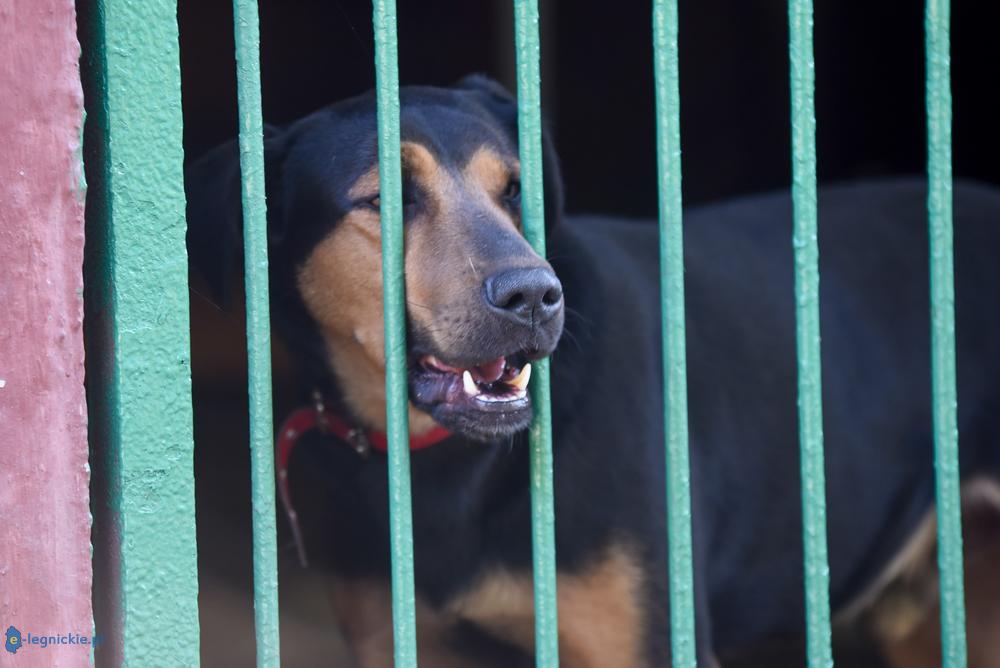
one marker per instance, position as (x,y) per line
(480,303)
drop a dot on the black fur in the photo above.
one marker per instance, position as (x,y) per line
(471,500)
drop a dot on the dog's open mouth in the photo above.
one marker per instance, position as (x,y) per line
(494,385)
(484,401)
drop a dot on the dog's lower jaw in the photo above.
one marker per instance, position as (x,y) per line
(360,381)
(497,427)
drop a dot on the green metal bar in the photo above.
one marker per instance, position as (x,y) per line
(668,163)
(391,193)
(939,205)
(529,122)
(265,539)
(817,575)
(138,351)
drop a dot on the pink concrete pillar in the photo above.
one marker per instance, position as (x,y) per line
(45,560)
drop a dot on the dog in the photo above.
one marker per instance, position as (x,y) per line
(482,306)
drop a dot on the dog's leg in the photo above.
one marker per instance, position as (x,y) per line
(602,618)
(601,613)
(904,611)
(364,610)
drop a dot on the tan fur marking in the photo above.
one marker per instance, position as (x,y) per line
(416,160)
(903,606)
(901,595)
(502,603)
(920,646)
(420,162)
(364,610)
(600,611)
(604,619)
(341,285)
(490,174)
(365,186)
(488,168)
(899,612)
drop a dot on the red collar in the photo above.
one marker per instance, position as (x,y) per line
(363,441)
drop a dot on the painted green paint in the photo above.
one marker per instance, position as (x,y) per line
(529,123)
(265,538)
(817,571)
(675,410)
(394,295)
(139,299)
(939,205)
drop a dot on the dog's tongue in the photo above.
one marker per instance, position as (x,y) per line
(489,372)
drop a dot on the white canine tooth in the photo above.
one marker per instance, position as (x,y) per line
(469,384)
(520,381)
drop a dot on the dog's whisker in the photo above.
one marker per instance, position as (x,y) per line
(572,312)
(572,338)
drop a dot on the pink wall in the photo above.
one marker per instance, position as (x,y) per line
(45,568)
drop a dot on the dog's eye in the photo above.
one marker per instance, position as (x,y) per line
(374,203)
(513,190)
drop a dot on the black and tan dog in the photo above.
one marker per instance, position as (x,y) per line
(481,306)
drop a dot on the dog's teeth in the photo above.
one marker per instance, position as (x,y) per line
(470,385)
(520,381)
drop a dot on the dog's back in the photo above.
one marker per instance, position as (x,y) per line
(875,319)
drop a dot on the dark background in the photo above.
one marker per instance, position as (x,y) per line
(597,83)
(598,97)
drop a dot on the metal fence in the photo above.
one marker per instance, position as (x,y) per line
(143,275)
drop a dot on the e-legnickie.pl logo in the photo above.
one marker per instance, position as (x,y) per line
(14,640)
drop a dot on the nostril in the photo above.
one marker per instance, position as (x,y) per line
(512,302)
(526,296)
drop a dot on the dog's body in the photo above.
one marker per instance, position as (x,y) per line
(471,492)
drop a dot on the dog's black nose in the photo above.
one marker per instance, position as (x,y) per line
(527,296)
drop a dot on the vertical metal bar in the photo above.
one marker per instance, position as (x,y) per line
(800,20)
(265,551)
(529,122)
(138,306)
(668,163)
(939,205)
(390,189)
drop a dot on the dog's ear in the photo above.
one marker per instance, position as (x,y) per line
(215,210)
(498,101)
